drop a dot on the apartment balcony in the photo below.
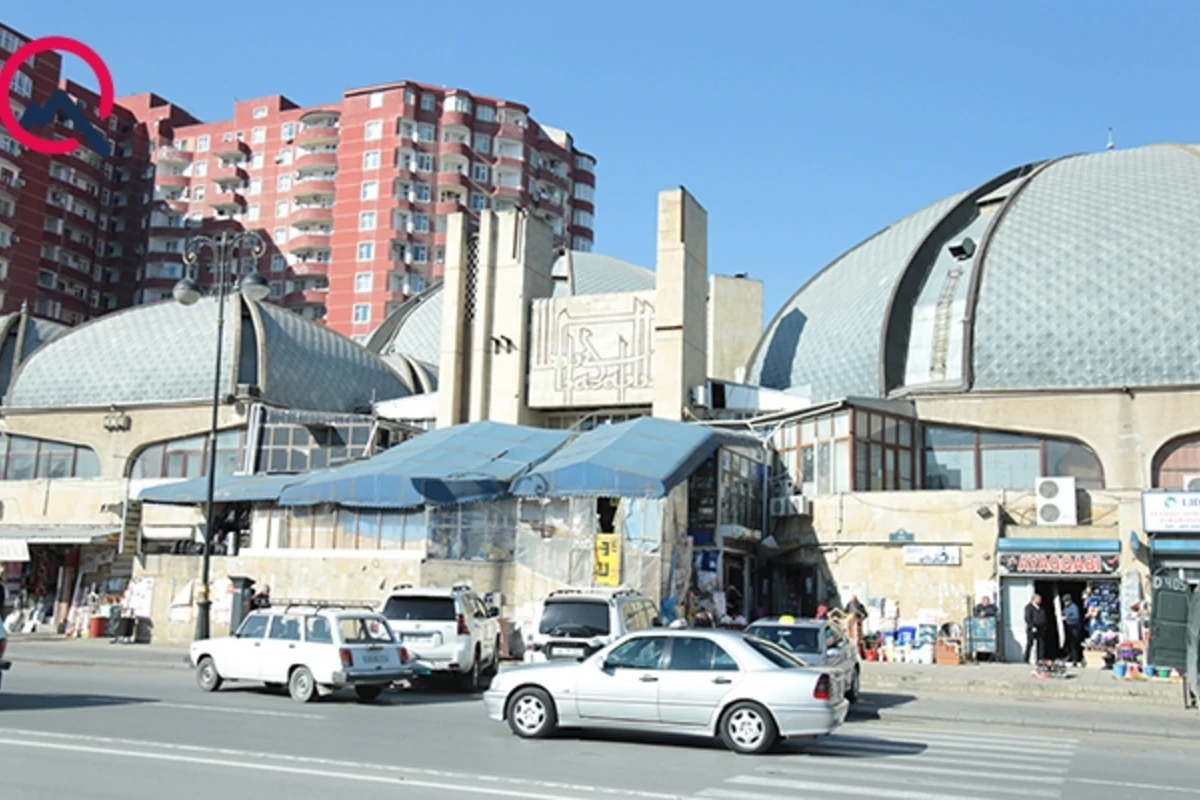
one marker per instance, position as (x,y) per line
(515,193)
(507,130)
(456,149)
(170,231)
(511,162)
(316,159)
(549,204)
(172,181)
(314,187)
(321,214)
(308,243)
(307,297)
(581,230)
(310,268)
(223,173)
(164,257)
(553,178)
(173,157)
(230,202)
(176,204)
(446,180)
(232,151)
(451,207)
(462,118)
(10,186)
(318,134)
(584,176)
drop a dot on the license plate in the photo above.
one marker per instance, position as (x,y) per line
(375,658)
(573,652)
(415,636)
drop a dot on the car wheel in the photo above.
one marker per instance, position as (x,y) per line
(748,729)
(494,667)
(207,675)
(301,685)
(368,694)
(473,679)
(531,713)
(852,694)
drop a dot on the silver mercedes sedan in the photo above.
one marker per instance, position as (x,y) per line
(747,691)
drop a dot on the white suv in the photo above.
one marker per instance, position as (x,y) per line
(449,631)
(311,649)
(575,623)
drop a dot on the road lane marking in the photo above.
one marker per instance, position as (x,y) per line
(906,748)
(432,776)
(892,766)
(232,710)
(1149,787)
(918,730)
(841,788)
(938,781)
(897,761)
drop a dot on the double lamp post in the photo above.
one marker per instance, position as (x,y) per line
(224,251)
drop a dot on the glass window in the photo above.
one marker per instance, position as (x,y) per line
(1010,468)
(285,628)
(950,469)
(860,465)
(364,630)
(889,430)
(1002,439)
(774,653)
(841,465)
(644,652)
(906,431)
(906,481)
(808,470)
(876,467)
(862,424)
(694,654)
(574,617)
(316,629)
(876,434)
(792,639)
(937,436)
(425,609)
(824,468)
(1068,459)
(841,425)
(255,627)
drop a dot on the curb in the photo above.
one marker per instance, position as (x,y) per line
(83,661)
(887,714)
(1168,696)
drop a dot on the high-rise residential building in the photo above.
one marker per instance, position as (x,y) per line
(352,197)
(72,241)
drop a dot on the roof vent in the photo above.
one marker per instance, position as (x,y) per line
(964,249)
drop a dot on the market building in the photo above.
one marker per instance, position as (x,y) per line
(994,381)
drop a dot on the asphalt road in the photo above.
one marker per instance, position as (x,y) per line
(73,732)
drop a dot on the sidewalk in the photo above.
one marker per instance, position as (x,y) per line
(1014,680)
(43,649)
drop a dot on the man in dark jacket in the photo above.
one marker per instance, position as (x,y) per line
(1035,628)
(1073,627)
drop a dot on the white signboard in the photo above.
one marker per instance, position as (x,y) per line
(1171,512)
(14,550)
(932,556)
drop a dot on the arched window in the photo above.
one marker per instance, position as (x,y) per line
(188,458)
(1176,460)
(968,459)
(26,459)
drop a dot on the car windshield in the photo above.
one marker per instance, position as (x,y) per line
(806,640)
(774,653)
(574,618)
(364,630)
(426,609)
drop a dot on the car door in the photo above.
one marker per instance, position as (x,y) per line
(699,674)
(486,627)
(239,658)
(625,686)
(280,650)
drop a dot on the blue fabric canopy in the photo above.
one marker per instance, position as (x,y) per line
(645,457)
(228,489)
(460,464)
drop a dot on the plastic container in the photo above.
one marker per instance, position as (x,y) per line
(906,635)
(1119,670)
(97,627)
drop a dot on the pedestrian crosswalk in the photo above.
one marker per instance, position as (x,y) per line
(908,763)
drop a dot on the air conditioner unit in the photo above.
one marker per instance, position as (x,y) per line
(1056,501)
(698,395)
(1191,483)
(794,505)
(779,506)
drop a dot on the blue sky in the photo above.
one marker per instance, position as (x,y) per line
(801,127)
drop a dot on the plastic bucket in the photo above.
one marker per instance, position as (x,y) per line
(1119,670)
(97,627)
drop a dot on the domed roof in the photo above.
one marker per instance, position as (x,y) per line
(1076,273)
(410,338)
(20,335)
(165,353)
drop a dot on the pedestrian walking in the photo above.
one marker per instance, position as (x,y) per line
(1073,627)
(1035,628)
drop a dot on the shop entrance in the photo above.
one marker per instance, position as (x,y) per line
(1052,591)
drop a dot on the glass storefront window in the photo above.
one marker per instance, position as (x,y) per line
(23,458)
(188,458)
(967,459)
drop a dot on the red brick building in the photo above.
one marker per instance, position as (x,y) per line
(351,196)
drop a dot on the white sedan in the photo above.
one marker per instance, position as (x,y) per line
(749,692)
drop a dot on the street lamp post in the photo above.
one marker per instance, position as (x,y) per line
(223,250)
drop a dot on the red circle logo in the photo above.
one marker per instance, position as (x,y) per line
(65,44)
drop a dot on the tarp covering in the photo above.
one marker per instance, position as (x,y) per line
(645,457)
(1008,545)
(228,489)
(460,464)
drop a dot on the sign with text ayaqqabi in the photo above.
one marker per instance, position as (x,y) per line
(42,115)
(1171,512)
(1058,564)
(607,570)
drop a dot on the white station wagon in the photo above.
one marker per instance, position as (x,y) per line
(309,649)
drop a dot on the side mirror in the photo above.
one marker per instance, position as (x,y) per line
(656,623)
(493,612)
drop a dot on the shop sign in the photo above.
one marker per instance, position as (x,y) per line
(1058,564)
(925,555)
(15,550)
(607,569)
(901,535)
(1171,512)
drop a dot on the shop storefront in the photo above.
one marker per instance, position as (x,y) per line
(1087,569)
(48,574)
(1172,521)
